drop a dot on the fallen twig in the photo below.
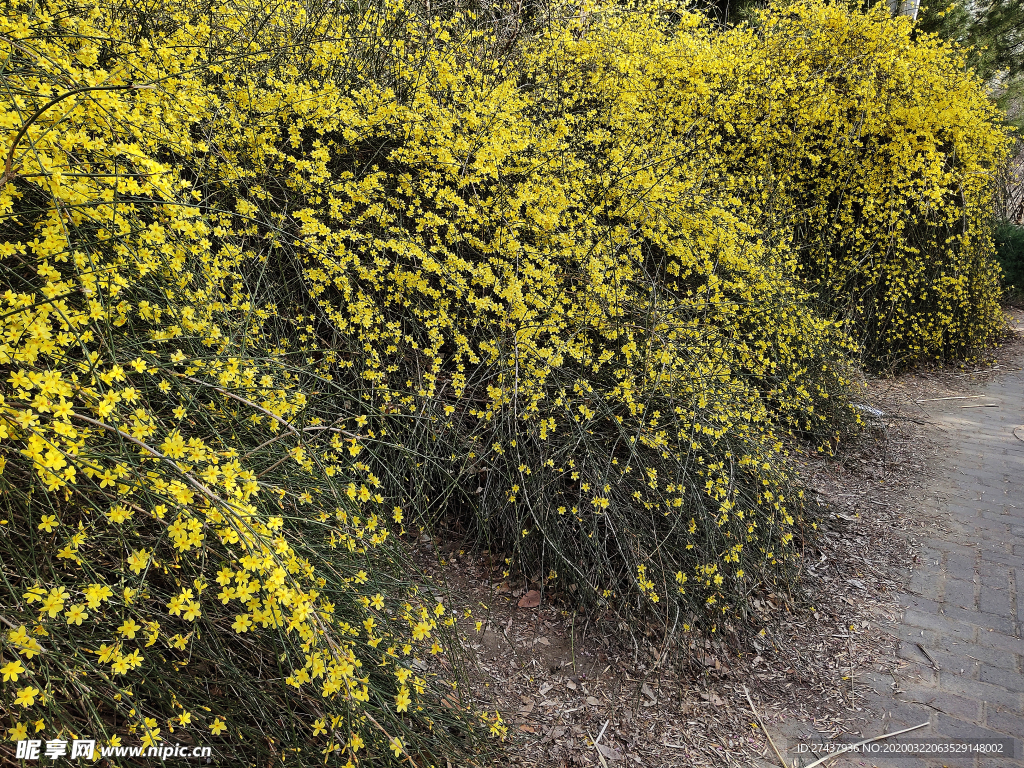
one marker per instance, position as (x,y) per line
(767,735)
(928,656)
(596,748)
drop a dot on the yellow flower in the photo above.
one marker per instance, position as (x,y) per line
(319,726)
(217,726)
(49,522)
(26,696)
(192,611)
(117,513)
(129,628)
(18,733)
(54,602)
(402,700)
(176,605)
(242,623)
(174,445)
(152,734)
(12,670)
(497,729)
(138,560)
(97,593)
(356,742)
(185,718)
(397,746)
(134,659)
(75,614)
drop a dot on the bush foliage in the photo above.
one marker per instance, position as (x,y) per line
(282,280)
(883,160)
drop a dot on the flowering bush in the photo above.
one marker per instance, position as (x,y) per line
(559,278)
(279,281)
(881,147)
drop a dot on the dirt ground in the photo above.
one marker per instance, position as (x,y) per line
(577,694)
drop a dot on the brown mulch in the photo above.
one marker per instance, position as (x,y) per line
(563,682)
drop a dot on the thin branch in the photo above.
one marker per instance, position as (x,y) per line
(768,736)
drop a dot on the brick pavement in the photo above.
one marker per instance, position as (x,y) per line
(963,625)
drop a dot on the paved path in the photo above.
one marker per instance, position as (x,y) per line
(963,626)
